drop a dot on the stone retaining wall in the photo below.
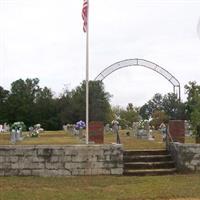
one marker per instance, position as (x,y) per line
(62,160)
(186,156)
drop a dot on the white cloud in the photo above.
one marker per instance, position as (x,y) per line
(44,39)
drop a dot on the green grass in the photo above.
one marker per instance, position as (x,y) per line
(48,137)
(100,187)
(60,137)
(131,142)
(190,139)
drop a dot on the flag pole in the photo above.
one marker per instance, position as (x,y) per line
(87,76)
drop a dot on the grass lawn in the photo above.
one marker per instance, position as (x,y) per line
(60,137)
(48,137)
(100,188)
(134,143)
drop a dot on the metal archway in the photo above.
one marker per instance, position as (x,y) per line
(144,63)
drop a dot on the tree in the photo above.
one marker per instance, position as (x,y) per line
(130,115)
(116,112)
(145,112)
(65,108)
(100,109)
(4,94)
(195,120)
(46,111)
(126,116)
(157,118)
(29,103)
(193,106)
(155,104)
(21,101)
(99,106)
(193,92)
(173,107)
(169,104)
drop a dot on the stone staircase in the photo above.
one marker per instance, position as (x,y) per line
(148,162)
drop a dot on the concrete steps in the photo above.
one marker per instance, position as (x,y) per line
(152,172)
(148,162)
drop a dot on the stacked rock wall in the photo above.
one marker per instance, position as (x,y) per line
(186,156)
(62,160)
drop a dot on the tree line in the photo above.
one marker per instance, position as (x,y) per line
(28,102)
(164,108)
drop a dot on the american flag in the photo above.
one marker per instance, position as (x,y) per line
(85,15)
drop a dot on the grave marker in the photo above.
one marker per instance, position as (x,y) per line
(96,132)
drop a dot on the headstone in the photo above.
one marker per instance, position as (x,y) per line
(135,128)
(13,138)
(107,128)
(146,126)
(65,128)
(177,130)
(96,132)
(115,126)
(115,129)
(70,128)
(143,132)
(16,135)
(188,130)
(16,132)
(6,127)
(163,130)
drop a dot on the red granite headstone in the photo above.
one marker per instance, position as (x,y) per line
(96,132)
(177,130)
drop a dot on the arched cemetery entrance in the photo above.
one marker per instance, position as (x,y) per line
(143,161)
(144,63)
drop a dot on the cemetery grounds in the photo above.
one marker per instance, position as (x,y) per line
(178,186)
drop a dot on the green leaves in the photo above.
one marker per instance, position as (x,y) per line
(169,104)
(193,105)
(30,103)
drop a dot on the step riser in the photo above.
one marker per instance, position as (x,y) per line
(147,173)
(143,153)
(146,159)
(149,166)
(143,163)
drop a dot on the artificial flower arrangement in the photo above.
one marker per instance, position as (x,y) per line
(80,125)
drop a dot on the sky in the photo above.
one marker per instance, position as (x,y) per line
(45,39)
